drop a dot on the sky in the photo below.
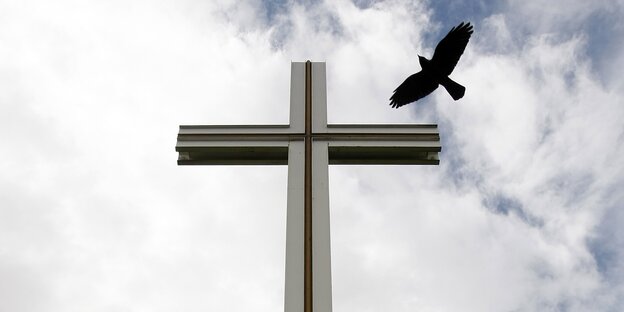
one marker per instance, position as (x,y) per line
(524,212)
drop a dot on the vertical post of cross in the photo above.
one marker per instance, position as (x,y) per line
(308,288)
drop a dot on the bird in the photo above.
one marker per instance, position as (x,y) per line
(436,71)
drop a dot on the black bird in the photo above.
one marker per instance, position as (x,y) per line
(436,71)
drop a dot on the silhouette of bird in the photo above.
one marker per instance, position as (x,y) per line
(436,71)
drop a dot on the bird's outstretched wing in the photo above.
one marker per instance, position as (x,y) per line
(413,88)
(450,48)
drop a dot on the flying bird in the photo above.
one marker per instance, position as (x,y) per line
(435,72)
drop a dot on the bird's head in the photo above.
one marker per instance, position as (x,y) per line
(422,60)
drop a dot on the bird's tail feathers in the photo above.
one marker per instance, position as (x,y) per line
(456,90)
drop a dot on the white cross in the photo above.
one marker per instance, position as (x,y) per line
(308,145)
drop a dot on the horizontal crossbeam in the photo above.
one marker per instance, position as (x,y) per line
(347,144)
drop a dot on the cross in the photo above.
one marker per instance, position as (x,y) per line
(308,145)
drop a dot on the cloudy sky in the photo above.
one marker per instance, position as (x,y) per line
(524,212)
